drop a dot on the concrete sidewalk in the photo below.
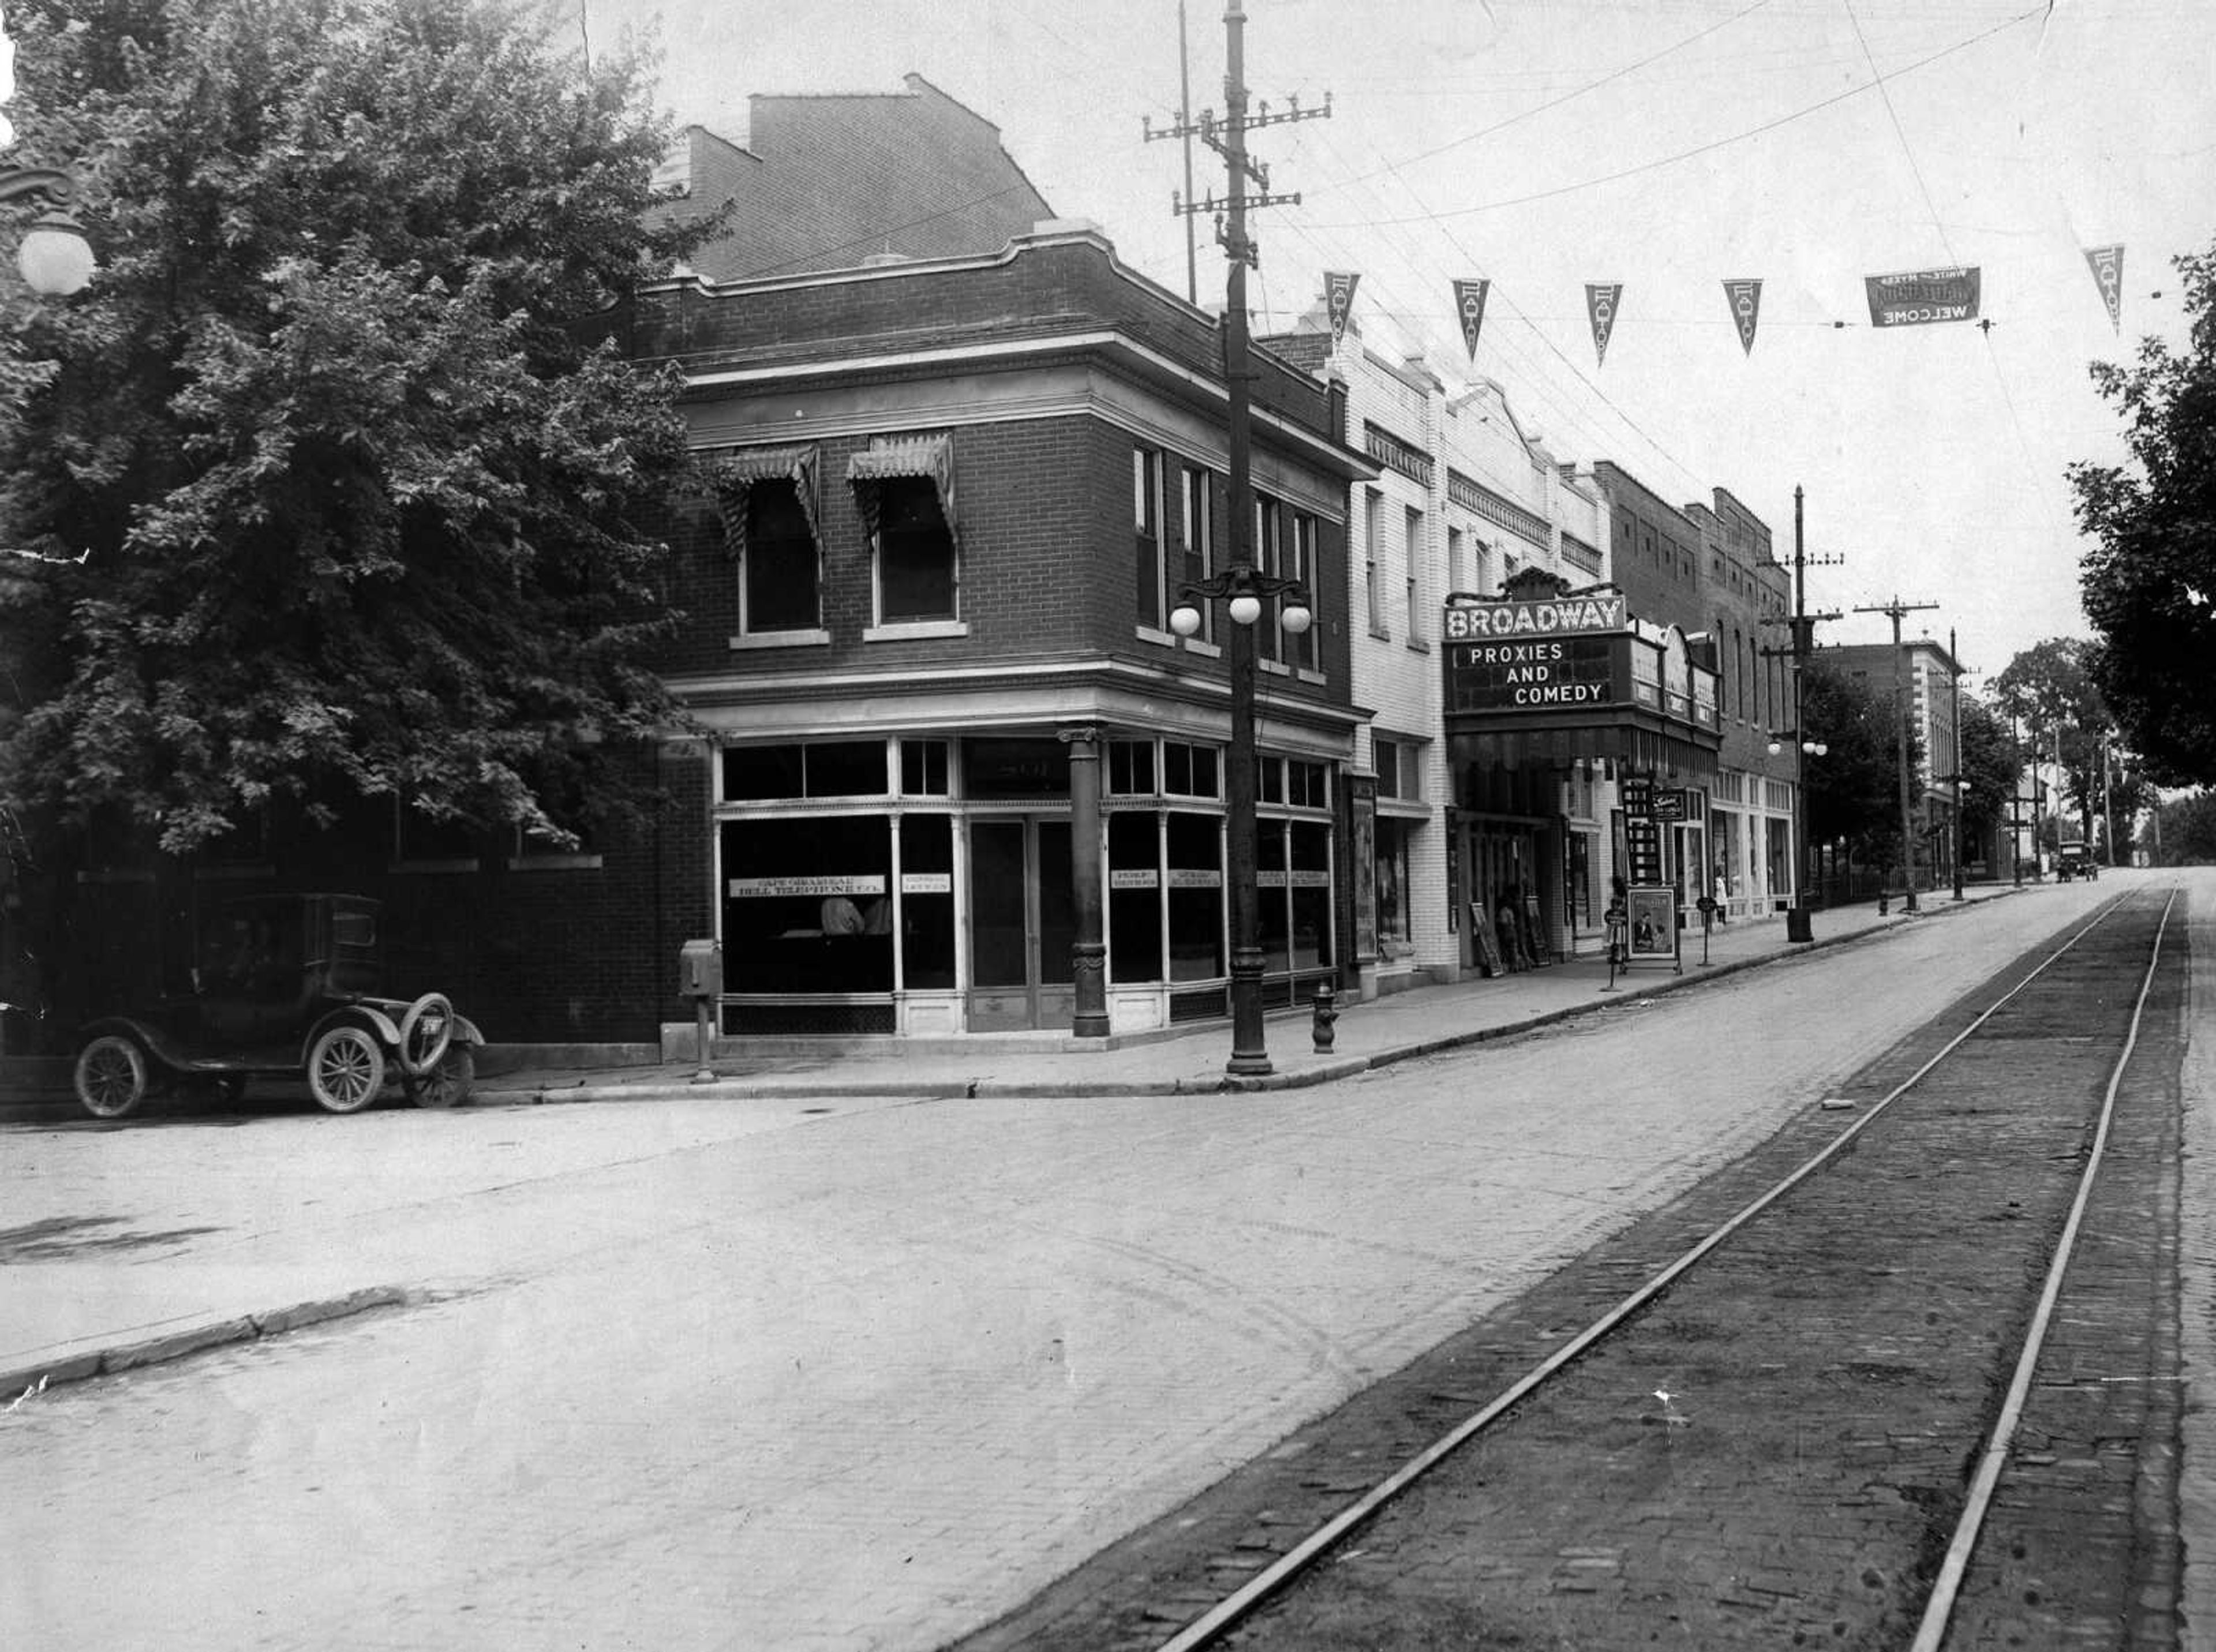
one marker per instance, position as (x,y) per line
(1400,1026)
(64,1321)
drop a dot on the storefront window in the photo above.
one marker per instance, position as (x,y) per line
(1311,894)
(923,768)
(1189,770)
(1196,897)
(1015,768)
(1393,915)
(819,769)
(927,845)
(1135,897)
(1131,768)
(807,905)
(1272,901)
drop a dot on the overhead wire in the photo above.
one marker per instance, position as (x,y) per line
(1696,152)
(1946,244)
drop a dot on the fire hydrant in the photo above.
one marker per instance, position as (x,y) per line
(1327,1011)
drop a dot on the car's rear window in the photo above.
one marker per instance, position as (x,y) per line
(353,929)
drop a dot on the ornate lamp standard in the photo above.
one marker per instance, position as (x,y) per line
(1243,588)
(1796,919)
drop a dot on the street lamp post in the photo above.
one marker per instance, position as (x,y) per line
(1796,919)
(1954,708)
(1243,589)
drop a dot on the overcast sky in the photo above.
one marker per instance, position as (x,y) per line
(1668,145)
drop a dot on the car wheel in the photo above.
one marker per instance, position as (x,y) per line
(425,1033)
(111,1077)
(346,1069)
(451,1084)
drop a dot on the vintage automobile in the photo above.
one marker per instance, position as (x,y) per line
(286,985)
(2076,860)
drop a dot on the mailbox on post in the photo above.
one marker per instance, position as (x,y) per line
(700,970)
(700,978)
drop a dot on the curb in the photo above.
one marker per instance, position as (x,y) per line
(1211,1084)
(20,1382)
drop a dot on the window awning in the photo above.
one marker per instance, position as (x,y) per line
(931,458)
(731,474)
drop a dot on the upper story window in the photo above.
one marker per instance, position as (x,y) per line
(1373,551)
(1151,558)
(1285,545)
(1198,533)
(1412,573)
(766,497)
(1399,768)
(904,488)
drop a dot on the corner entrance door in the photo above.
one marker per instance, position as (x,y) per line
(1023,924)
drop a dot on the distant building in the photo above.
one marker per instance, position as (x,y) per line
(1922,673)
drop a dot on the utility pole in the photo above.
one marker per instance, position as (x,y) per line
(1897,608)
(1803,624)
(2016,800)
(1249,1049)
(1955,705)
(2108,795)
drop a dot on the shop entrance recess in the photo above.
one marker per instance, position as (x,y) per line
(1023,919)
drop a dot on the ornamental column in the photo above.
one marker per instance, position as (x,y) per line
(1088,955)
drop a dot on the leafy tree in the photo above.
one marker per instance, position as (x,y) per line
(1853,789)
(329,494)
(1990,765)
(2183,831)
(2051,693)
(2149,583)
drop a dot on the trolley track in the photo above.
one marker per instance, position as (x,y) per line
(1758,1410)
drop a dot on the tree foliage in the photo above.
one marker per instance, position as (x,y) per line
(2052,692)
(1990,764)
(329,496)
(1853,789)
(2149,582)
(2183,831)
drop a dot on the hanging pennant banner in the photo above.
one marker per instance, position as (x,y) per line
(1600,306)
(2108,267)
(1745,300)
(1470,305)
(1918,297)
(1338,301)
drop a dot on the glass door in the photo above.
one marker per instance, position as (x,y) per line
(1023,915)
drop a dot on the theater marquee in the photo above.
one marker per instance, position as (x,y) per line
(1554,652)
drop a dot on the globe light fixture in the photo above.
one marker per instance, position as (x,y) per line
(55,258)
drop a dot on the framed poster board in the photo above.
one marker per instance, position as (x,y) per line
(1653,922)
(1535,929)
(1484,943)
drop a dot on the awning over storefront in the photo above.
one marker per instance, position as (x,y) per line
(928,457)
(1557,744)
(733,473)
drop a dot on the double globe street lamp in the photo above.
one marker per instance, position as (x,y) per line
(1243,590)
(1797,926)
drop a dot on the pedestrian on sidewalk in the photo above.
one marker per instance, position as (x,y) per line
(1506,925)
